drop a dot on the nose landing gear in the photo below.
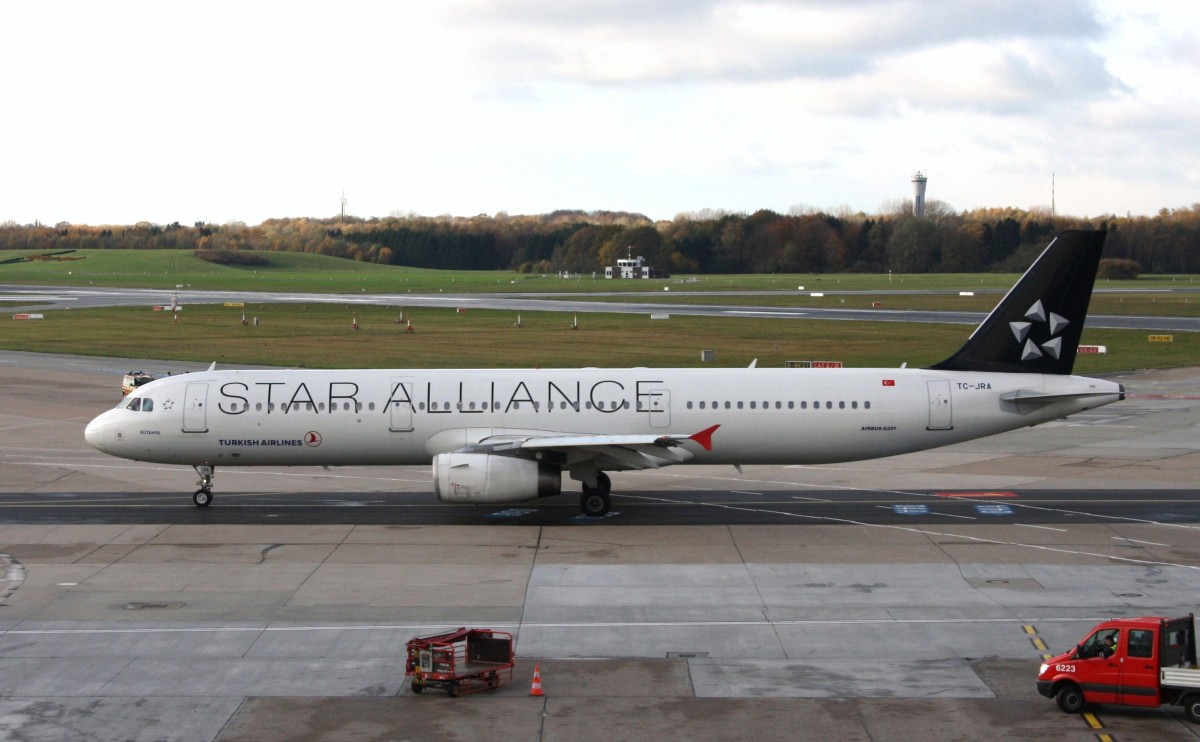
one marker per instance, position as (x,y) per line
(203,496)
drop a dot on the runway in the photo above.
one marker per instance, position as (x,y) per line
(57,297)
(910,597)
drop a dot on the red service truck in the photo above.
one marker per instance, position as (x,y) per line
(1147,661)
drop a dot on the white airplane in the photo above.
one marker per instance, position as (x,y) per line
(502,436)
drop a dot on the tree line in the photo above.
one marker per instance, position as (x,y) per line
(995,239)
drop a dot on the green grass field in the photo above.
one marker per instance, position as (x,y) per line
(322,336)
(166,269)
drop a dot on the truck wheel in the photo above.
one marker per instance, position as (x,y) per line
(418,685)
(1191,706)
(1070,698)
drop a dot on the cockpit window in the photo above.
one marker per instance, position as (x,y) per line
(143,404)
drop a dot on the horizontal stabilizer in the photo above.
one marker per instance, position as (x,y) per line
(1029,395)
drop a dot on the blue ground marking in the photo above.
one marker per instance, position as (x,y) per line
(510,513)
(581,518)
(994,509)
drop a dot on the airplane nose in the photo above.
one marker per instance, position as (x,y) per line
(94,433)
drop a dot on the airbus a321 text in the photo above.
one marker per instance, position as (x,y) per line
(500,436)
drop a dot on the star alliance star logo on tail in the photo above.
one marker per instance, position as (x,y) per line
(1052,347)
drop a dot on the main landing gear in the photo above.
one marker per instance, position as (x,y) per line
(595,501)
(203,496)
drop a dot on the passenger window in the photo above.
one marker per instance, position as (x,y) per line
(1141,643)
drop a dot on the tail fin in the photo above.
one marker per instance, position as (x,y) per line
(1036,326)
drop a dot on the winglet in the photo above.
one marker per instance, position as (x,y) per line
(704,437)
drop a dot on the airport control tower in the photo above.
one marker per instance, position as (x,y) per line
(918,181)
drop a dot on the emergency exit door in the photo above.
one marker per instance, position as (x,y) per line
(941,411)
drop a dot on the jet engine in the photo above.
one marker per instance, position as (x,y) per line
(484,477)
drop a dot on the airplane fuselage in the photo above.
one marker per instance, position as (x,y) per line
(766,416)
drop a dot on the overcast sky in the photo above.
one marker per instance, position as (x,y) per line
(119,112)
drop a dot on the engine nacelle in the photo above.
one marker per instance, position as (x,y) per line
(485,477)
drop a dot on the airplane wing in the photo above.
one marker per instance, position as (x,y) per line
(611,452)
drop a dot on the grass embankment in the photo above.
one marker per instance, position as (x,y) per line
(322,336)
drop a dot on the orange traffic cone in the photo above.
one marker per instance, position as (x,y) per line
(536,689)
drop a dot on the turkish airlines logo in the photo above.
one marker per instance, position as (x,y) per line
(1037,316)
(312,438)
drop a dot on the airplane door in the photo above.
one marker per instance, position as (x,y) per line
(400,407)
(660,408)
(940,409)
(195,417)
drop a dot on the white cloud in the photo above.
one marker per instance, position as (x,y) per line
(223,110)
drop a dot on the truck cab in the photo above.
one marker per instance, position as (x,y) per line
(1146,661)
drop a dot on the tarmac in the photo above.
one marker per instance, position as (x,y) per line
(845,628)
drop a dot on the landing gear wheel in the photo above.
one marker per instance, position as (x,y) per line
(594,503)
(203,496)
(1070,699)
